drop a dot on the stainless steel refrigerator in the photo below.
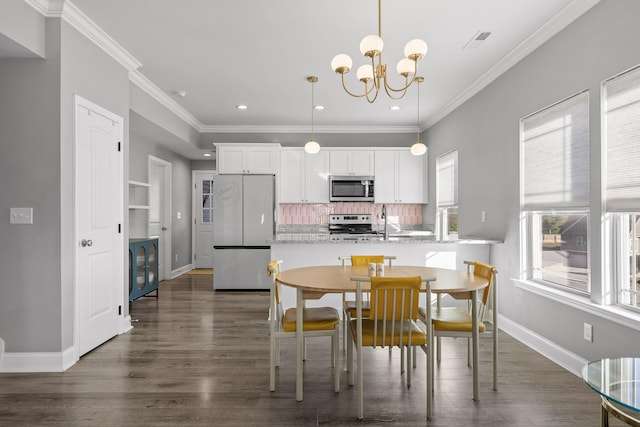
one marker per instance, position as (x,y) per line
(243,224)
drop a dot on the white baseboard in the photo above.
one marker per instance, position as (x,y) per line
(179,271)
(549,349)
(125,325)
(38,362)
(1,350)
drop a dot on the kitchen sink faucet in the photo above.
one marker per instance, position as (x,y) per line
(384,216)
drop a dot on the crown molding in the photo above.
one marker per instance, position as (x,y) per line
(305,129)
(561,20)
(165,100)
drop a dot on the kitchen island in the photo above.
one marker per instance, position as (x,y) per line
(308,249)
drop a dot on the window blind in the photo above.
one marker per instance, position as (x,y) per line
(447,180)
(621,97)
(555,147)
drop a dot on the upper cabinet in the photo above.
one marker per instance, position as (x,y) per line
(304,177)
(400,177)
(351,162)
(247,158)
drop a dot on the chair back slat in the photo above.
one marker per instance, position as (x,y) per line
(393,302)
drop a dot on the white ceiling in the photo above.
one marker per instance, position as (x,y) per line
(260,52)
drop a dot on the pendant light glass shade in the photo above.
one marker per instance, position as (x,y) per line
(312,147)
(418,149)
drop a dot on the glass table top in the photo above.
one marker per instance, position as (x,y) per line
(616,379)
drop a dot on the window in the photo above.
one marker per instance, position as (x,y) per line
(555,193)
(621,130)
(447,195)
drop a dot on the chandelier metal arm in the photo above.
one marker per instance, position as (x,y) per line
(408,82)
(365,94)
(371,100)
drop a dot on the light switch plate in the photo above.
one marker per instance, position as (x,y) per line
(21,216)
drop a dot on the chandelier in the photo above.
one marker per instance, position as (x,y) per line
(374,75)
(418,149)
(312,147)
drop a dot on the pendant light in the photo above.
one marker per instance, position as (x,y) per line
(418,149)
(312,147)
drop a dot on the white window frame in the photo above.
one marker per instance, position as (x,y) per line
(620,188)
(531,233)
(450,201)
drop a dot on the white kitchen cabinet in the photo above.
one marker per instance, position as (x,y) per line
(304,177)
(247,158)
(351,162)
(400,177)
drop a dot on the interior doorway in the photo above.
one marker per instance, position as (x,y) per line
(99,213)
(202,231)
(160,212)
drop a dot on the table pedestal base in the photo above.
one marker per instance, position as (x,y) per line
(620,413)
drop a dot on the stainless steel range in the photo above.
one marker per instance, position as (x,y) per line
(351,227)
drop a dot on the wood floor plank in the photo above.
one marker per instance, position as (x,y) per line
(197,357)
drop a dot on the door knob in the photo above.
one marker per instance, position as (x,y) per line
(85,243)
(164,228)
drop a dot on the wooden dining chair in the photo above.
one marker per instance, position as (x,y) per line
(457,321)
(349,306)
(317,321)
(391,322)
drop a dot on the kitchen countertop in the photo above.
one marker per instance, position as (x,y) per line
(404,238)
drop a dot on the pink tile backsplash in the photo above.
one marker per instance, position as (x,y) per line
(319,213)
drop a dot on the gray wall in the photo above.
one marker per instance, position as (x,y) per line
(30,281)
(141,147)
(36,170)
(485,130)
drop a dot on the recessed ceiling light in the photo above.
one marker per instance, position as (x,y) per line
(180,93)
(319,107)
(207,154)
(241,107)
(394,108)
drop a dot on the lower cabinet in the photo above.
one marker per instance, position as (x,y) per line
(143,267)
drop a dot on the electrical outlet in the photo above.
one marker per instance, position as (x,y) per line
(483,216)
(176,257)
(588,332)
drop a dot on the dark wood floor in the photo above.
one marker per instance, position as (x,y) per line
(200,358)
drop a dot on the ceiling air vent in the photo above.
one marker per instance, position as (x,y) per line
(477,39)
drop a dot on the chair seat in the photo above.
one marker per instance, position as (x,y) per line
(315,319)
(418,336)
(350,307)
(453,319)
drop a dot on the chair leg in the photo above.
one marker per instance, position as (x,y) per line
(350,357)
(335,347)
(469,356)
(415,349)
(409,351)
(401,359)
(277,346)
(272,364)
(304,349)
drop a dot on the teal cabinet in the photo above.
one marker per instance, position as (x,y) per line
(143,267)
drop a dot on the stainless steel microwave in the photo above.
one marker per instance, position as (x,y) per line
(351,188)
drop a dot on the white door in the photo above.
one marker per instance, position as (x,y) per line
(99,195)
(203,219)
(160,212)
